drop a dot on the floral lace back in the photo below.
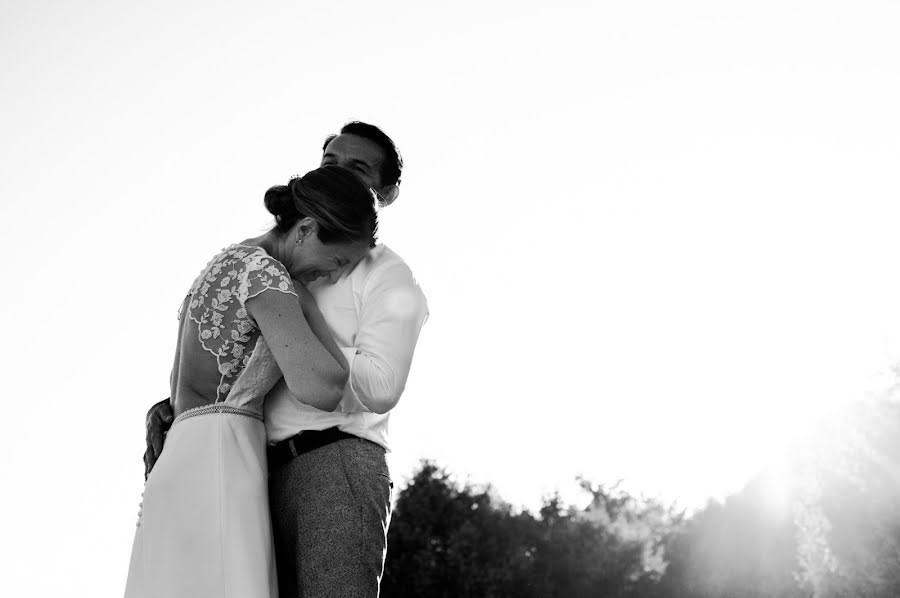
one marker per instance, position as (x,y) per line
(217,306)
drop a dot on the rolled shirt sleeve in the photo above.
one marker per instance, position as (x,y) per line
(392,312)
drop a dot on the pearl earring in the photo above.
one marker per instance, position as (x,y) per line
(299,241)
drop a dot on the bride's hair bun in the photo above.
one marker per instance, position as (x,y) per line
(280,202)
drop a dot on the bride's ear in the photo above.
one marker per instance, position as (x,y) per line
(304,229)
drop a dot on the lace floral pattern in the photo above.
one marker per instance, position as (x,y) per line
(217,305)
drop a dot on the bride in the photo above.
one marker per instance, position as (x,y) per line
(204,527)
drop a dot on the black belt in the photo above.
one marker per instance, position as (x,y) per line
(308,440)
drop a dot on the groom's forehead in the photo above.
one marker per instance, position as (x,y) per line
(354,147)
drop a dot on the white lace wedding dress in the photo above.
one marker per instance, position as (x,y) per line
(204,527)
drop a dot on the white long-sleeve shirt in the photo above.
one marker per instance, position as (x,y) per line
(375,313)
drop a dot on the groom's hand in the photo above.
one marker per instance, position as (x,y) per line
(159,420)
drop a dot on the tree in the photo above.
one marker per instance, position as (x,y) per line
(741,548)
(452,540)
(848,509)
(447,540)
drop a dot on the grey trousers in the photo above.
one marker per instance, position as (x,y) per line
(330,514)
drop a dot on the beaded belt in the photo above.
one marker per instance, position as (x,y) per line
(218,408)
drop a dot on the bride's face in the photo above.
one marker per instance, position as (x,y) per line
(313,259)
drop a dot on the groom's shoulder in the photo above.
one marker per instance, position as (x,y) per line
(383,264)
(382,258)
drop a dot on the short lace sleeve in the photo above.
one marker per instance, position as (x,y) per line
(260,273)
(217,305)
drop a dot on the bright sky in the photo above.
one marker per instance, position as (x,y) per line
(657,238)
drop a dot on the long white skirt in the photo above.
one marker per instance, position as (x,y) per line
(204,529)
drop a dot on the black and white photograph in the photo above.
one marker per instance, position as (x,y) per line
(457,300)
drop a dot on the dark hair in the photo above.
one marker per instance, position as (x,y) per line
(332,196)
(392,166)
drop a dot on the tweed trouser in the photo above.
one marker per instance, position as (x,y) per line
(330,513)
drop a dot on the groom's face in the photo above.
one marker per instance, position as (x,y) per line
(357,154)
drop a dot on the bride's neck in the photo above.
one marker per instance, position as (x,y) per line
(272,244)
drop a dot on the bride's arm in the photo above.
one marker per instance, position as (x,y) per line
(315,373)
(318,325)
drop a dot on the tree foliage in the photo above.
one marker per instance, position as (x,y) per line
(452,540)
(848,504)
(833,531)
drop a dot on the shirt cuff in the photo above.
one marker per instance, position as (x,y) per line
(356,405)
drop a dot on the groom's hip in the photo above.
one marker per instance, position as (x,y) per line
(330,509)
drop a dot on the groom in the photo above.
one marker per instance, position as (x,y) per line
(329,485)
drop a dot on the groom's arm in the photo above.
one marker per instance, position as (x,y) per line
(393,310)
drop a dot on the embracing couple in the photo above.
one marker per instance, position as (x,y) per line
(292,349)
